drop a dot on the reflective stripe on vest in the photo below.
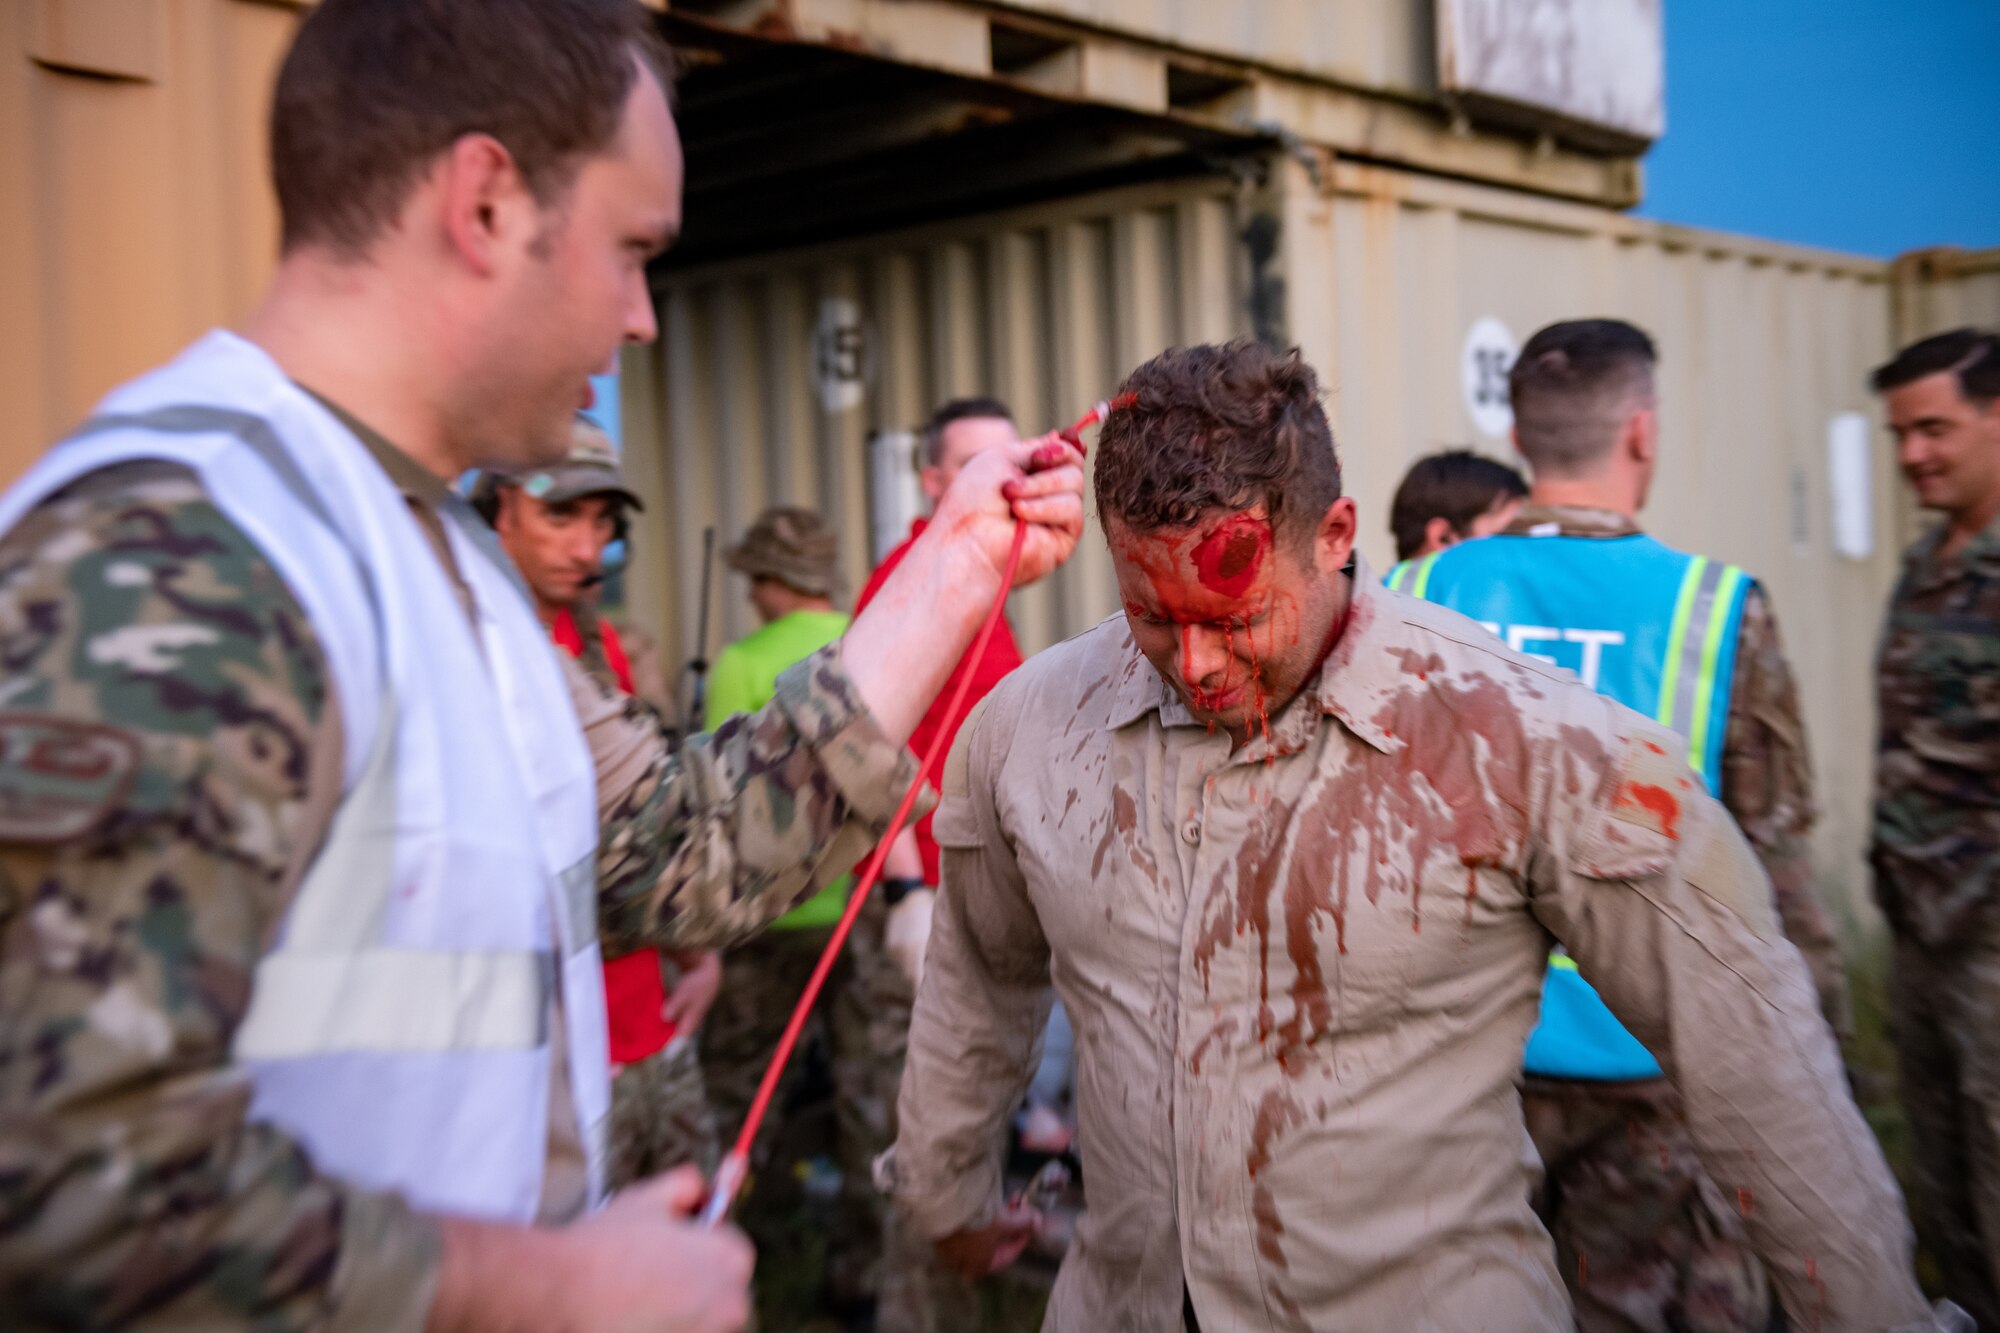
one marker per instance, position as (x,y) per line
(1688,678)
(1546,591)
(399,1025)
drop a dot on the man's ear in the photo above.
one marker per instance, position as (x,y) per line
(1439,533)
(1642,435)
(1338,528)
(484,200)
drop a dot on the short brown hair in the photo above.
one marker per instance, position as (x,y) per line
(1573,386)
(1969,356)
(1456,486)
(959,409)
(1220,426)
(373,90)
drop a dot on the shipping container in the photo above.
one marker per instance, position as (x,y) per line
(135,204)
(1396,285)
(1295,171)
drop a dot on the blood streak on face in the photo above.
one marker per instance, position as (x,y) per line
(1234,623)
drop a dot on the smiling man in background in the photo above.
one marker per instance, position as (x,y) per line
(1936,847)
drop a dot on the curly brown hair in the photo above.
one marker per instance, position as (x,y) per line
(1224,426)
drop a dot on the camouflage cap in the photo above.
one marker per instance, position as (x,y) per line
(591,469)
(792,545)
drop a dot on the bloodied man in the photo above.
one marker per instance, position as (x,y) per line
(1292,849)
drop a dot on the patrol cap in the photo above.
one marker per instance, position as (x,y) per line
(792,545)
(590,469)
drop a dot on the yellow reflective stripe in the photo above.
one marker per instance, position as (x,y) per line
(395,1000)
(1711,648)
(1562,962)
(1400,575)
(1423,583)
(1676,636)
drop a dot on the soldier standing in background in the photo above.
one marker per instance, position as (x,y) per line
(555,523)
(1936,843)
(1692,643)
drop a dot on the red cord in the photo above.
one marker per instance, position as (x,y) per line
(729,1176)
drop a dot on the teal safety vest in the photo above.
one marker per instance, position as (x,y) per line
(1649,626)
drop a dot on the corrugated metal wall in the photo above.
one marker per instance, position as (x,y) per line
(1761,346)
(1046,309)
(135,210)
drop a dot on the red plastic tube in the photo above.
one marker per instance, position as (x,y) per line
(729,1176)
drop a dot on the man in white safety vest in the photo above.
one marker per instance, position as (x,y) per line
(308,837)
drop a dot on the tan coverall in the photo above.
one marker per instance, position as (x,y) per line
(1301,975)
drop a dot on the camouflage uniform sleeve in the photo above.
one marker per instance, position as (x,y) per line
(1767,786)
(164,694)
(706,845)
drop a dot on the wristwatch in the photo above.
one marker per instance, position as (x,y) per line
(899,887)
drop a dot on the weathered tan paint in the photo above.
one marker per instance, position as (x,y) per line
(135,210)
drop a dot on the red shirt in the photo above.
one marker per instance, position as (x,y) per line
(1002,655)
(635,995)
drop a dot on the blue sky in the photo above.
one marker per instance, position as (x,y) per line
(1863,125)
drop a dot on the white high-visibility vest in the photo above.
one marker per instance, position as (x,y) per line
(399,1024)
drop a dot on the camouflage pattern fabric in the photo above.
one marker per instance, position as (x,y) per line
(132,1193)
(1936,852)
(861,1032)
(660,1117)
(1936,845)
(167,739)
(649,674)
(1645,1241)
(707,843)
(1941,1008)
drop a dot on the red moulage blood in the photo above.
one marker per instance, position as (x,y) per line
(1231,553)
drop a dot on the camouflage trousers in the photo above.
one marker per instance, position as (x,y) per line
(1645,1241)
(861,1029)
(659,1117)
(1942,1007)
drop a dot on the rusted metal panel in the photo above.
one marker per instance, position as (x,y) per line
(1386,44)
